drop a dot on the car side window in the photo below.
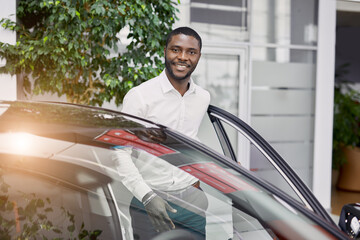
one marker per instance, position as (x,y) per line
(247,153)
(37,207)
(223,205)
(207,135)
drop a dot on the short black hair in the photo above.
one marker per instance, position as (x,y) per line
(186,31)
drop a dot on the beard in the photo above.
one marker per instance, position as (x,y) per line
(168,64)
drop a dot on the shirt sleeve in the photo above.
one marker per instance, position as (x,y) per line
(133,104)
(129,174)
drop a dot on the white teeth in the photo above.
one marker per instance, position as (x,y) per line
(181,66)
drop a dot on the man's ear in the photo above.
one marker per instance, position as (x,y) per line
(164,51)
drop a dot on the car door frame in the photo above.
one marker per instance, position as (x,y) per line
(217,115)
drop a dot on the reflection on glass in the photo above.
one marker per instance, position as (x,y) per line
(164,195)
(259,164)
(34,208)
(57,199)
(237,208)
(21,142)
(68,186)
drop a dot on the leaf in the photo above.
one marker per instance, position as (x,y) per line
(9,206)
(56,230)
(40,203)
(72,12)
(121,8)
(41,216)
(45,39)
(96,233)
(71,228)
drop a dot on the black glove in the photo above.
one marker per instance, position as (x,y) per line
(156,208)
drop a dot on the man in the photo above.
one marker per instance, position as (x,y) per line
(174,100)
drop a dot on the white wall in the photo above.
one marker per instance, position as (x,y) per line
(7,82)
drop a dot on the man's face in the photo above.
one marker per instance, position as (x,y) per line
(181,56)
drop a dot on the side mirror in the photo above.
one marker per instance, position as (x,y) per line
(349,221)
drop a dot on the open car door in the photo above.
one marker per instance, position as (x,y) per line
(244,145)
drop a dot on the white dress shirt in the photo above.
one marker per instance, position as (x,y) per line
(141,172)
(157,100)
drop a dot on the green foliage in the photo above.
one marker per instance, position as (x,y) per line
(71,46)
(346,128)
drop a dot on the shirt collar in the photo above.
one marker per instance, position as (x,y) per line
(167,86)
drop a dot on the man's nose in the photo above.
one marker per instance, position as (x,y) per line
(183,55)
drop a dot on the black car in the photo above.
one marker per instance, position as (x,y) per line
(59,180)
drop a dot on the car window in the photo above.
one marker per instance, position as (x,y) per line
(229,204)
(37,202)
(39,205)
(238,146)
(259,164)
(207,135)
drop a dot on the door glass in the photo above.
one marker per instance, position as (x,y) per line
(260,164)
(223,204)
(37,207)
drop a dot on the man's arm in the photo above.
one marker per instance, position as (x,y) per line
(155,206)
(129,173)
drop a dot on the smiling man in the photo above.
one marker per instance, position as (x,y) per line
(174,100)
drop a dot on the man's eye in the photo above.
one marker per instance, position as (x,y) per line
(192,52)
(176,50)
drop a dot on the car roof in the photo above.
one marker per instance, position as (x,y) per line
(69,114)
(63,131)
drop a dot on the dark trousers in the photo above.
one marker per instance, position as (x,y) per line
(190,204)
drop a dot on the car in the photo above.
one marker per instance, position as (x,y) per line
(59,179)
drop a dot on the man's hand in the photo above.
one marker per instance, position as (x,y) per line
(156,208)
